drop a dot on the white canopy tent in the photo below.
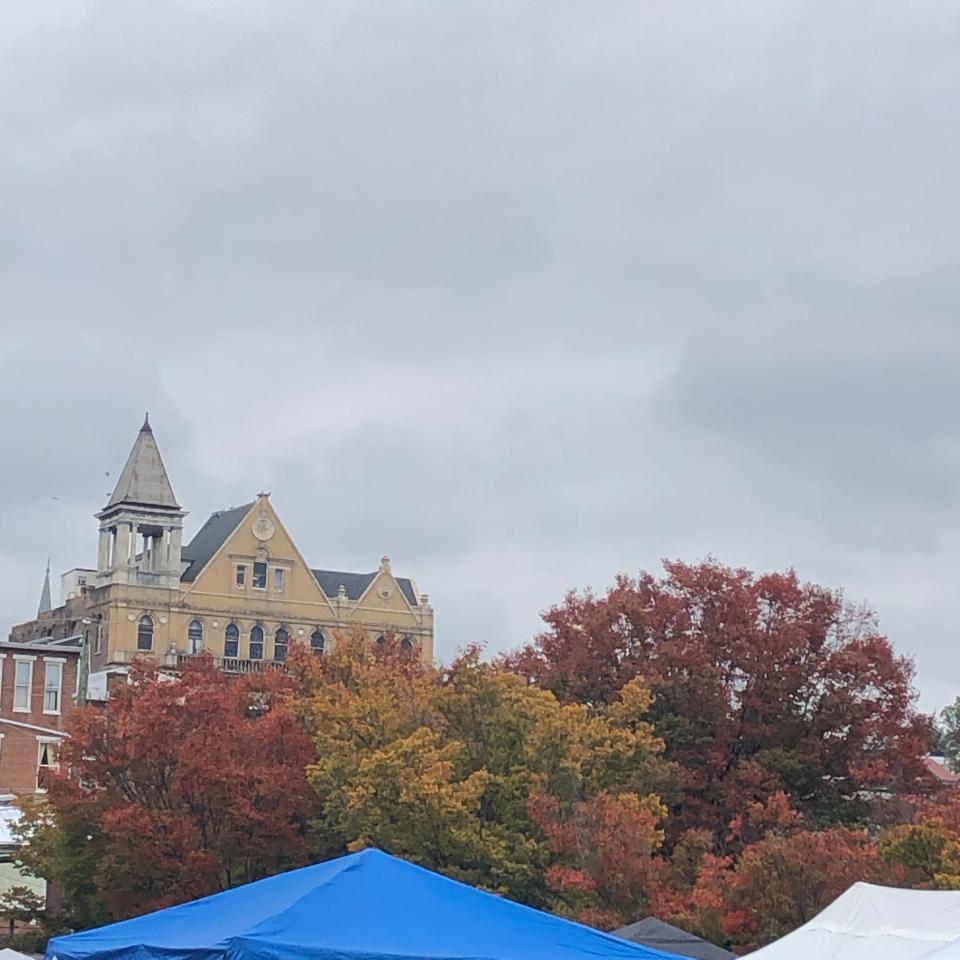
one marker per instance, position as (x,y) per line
(875,923)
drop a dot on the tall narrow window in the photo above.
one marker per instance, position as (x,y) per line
(48,759)
(145,633)
(195,637)
(22,686)
(231,641)
(256,643)
(316,642)
(241,575)
(278,575)
(52,686)
(260,575)
(280,640)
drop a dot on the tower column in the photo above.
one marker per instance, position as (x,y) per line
(103,554)
(173,552)
(122,550)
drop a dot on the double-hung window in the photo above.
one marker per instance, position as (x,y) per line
(22,685)
(259,575)
(48,759)
(52,686)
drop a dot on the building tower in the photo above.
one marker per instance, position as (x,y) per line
(141,527)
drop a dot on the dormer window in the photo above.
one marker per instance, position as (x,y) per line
(259,575)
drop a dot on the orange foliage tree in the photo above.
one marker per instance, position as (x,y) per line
(182,786)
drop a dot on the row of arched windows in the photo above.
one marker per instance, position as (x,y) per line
(406,644)
(231,640)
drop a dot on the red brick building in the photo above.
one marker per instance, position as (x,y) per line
(38,689)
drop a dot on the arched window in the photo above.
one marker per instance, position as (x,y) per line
(316,642)
(280,640)
(406,644)
(195,637)
(145,633)
(381,640)
(256,643)
(231,641)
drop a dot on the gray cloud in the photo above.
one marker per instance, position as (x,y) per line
(521,294)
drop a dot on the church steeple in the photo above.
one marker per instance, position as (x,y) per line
(141,525)
(45,603)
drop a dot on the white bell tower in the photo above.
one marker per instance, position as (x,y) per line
(141,527)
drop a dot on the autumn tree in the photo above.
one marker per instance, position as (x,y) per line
(472,772)
(948,734)
(761,685)
(779,883)
(180,787)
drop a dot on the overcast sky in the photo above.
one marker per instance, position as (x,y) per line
(520,293)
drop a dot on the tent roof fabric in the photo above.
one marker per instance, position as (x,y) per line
(652,932)
(873,923)
(366,906)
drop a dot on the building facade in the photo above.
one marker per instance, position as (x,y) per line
(240,591)
(38,688)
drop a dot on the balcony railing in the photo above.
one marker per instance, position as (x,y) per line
(235,664)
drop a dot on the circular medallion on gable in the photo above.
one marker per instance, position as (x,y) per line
(263,527)
(385,593)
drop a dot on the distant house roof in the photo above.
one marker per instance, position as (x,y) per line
(218,528)
(654,933)
(938,769)
(210,538)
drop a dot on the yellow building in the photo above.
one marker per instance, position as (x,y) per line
(239,590)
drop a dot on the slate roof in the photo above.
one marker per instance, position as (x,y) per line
(356,583)
(210,538)
(144,480)
(214,533)
(654,933)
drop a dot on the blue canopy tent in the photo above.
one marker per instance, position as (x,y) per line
(367,906)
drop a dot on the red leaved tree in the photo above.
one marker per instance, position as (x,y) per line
(761,684)
(185,786)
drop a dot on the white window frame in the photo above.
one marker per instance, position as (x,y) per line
(28,660)
(279,579)
(60,661)
(266,575)
(236,576)
(56,767)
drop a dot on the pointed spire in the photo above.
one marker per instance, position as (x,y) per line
(45,603)
(144,481)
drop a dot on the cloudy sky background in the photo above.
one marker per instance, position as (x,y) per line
(521,293)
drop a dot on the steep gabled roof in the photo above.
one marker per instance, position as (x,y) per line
(144,481)
(356,584)
(210,538)
(219,527)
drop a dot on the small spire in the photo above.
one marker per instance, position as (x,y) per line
(45,603)
(146,424)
